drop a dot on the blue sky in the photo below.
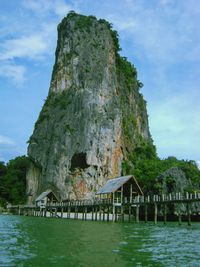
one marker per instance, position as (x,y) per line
(160,37)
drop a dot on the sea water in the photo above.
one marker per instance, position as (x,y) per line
(46,242)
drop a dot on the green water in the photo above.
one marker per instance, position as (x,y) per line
(46,242)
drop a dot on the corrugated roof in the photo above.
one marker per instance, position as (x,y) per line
(113,184)
(43,195)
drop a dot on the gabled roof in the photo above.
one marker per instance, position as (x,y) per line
(43,195)
(113,185)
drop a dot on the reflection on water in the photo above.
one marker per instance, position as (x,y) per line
(38,242)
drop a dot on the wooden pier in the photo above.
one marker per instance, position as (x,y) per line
(151,207)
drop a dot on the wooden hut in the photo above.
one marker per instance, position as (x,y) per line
(121,189)
(46,197)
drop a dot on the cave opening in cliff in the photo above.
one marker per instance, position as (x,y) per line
(79,161)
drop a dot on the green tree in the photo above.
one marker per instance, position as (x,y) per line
(13,180)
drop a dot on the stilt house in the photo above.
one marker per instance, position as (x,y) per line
(121,189)
(46,197)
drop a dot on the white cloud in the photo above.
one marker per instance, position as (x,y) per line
(35,40)
(164,32)
(6,140)
(35,46)
(27,46)
(61,8)
(15,72)
(43,7)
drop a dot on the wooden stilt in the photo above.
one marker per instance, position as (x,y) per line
(96,213)
(83,210)
(76,212)
(137,213)
(68,212)
(122,213)
(189,213)
(179,218)
(116,214)
(100,212)
(108,213)
(165,213)
(155,213)
(61,212)
(129,213)
(92,213)
(145,213)
(113,213)
(103,213)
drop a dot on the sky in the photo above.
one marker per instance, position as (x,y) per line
(160,37)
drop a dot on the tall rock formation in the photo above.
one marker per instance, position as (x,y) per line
(94,116)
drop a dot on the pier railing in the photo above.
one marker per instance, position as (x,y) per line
(138,200)
(168,198)
(113,209)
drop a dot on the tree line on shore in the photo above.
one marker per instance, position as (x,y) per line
(13,181)
(146,169)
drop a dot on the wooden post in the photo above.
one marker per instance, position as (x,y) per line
(83,210)
(122,194)
(113,211)
(108,213)
(68,212)
(131,193)
(77,212)
(179,217)
(145,213)
(85,213)
(92,213)
(116,214)
(189,213)
(100,212)
(96,213)
(165,213)
(122,213)
(61,212)
(129,213)
(137,213)
(155,213)
(103,213)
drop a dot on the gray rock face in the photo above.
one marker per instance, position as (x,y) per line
(93,117)
(174,181)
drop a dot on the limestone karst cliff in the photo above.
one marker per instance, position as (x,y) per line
(94,116)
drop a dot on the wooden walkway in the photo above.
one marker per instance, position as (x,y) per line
(115,210)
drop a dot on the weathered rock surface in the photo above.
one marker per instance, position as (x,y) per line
(94,115)
(174,181)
